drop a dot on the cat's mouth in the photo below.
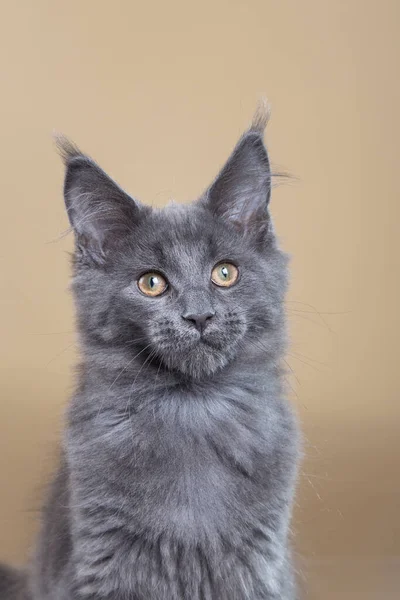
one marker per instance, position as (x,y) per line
(197,356)
(197,353)
(205,339)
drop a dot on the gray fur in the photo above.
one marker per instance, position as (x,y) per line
(179,456)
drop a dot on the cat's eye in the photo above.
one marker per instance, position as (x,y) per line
(152,284)
(225,274)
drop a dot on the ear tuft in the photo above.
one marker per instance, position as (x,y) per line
(66,148)
(261,116)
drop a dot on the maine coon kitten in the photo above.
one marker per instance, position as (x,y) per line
(179,457)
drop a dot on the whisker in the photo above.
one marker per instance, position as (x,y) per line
(129,363)
(128,406)
(304,362)
(116,379)
(60,353)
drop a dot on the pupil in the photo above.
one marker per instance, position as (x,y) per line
(153,282)
(224,272)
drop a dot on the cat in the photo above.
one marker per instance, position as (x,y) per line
(179,459)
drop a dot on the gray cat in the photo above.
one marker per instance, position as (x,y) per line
(180,452)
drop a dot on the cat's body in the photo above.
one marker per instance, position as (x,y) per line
(179,458)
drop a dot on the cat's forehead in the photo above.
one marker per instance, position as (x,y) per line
(186,233)
(180,216)
(183,225)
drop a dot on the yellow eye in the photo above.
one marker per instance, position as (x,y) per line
(152,284)
(225,274)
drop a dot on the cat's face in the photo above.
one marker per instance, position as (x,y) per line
(194,289)
(190,286)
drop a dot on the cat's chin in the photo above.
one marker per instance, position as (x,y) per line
(201,361)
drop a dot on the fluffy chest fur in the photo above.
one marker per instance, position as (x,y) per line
(195,460)
(193,477)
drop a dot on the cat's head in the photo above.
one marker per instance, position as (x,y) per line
(190,286)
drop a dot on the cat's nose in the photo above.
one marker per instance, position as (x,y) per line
(200,321)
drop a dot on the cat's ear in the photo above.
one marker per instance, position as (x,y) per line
(100,212)
(241,192)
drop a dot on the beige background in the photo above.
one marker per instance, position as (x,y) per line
(158,92)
